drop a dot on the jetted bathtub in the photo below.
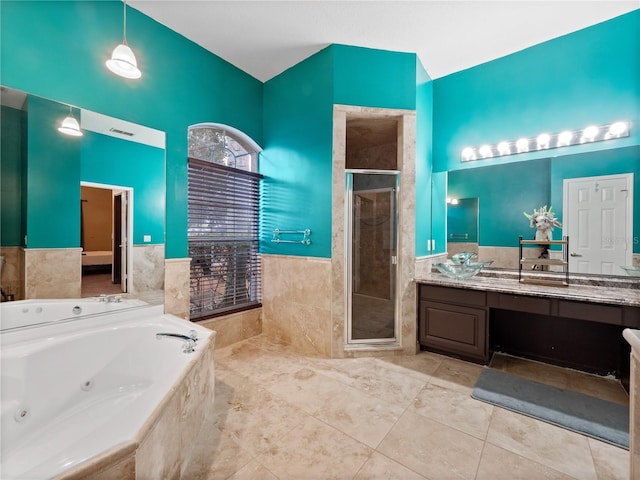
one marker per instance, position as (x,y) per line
(73,390)
(23,313)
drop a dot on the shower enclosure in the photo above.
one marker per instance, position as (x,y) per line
(371,242)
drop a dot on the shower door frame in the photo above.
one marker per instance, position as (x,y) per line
(348,265)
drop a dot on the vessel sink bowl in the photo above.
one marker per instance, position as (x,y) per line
(631,271)
(460,271)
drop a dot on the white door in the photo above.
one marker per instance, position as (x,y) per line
(598,214)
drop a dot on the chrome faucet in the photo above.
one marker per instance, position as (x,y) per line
(110,298)
(189,340)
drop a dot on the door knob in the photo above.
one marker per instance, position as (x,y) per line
(574,254)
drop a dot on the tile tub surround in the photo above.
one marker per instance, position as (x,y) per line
(11,275)
(235,327)
(52,272)
(282,415)
(633,337)
(165,446)
(148,268)
(176,287)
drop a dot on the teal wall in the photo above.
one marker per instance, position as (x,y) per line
(12,151)
(462,221)
(298,134)
(296,161)
(62,58)
(424,147)
(52,178)
(591,76)
(113,161)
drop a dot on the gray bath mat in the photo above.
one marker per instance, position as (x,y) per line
(597,418)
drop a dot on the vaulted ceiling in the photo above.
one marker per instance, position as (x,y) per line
(264,37)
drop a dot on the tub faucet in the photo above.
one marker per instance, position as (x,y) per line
(189,340)
(110,298)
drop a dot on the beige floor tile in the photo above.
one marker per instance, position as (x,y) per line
(253,471)
(364,417)
(433,450)
(305,388)
(315,450)
(499,464)
(217,456)
(612,463)
(453,408)
(424,364)
(560,449)
(456,375)
(379,467)
(253,417)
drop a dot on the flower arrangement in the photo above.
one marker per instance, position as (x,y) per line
(543,221)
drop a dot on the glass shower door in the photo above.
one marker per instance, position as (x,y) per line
(372,254)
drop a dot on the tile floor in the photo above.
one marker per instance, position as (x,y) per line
(278,415)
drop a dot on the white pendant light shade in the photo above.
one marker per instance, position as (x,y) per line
(70,126)
(123,62)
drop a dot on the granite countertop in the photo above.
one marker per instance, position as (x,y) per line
(609,293)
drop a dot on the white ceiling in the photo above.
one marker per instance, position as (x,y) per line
(264,37)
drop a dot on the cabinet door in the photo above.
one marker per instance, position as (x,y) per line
(454,329)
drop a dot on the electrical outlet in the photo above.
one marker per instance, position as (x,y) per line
(147,238)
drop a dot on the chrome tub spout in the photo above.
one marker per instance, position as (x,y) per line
(189,340)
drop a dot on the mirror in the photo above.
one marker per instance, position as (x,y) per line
(79,210)
(504,192)
(462,225)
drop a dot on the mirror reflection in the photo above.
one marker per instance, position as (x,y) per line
(81,215)
(594,195)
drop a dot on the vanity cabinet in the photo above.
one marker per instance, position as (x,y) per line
(471,323)
(454,322)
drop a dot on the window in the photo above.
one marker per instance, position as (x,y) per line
(223,221)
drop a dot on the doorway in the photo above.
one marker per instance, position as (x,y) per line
(105,240)
(372,256)
(598,213)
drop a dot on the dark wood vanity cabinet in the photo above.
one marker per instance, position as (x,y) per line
(470,324)
(454,322)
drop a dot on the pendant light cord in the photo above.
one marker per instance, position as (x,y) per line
(124,35)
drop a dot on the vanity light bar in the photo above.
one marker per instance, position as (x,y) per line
(545,141)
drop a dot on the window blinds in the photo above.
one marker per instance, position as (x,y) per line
(223,238)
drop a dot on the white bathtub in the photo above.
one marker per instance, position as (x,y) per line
(74,390)
(23,313)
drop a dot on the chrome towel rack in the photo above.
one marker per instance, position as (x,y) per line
(306,233)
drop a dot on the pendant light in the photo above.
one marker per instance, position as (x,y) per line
(70,126)
(123,61)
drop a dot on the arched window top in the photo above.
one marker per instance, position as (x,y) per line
(223,145)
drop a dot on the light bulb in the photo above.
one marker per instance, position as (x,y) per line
(468,153)
(504,148)
(485,151)
(589,134)
(543,141)
(522,145)
(618,129)
(564,138)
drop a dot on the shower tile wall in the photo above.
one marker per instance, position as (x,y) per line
(176,286)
